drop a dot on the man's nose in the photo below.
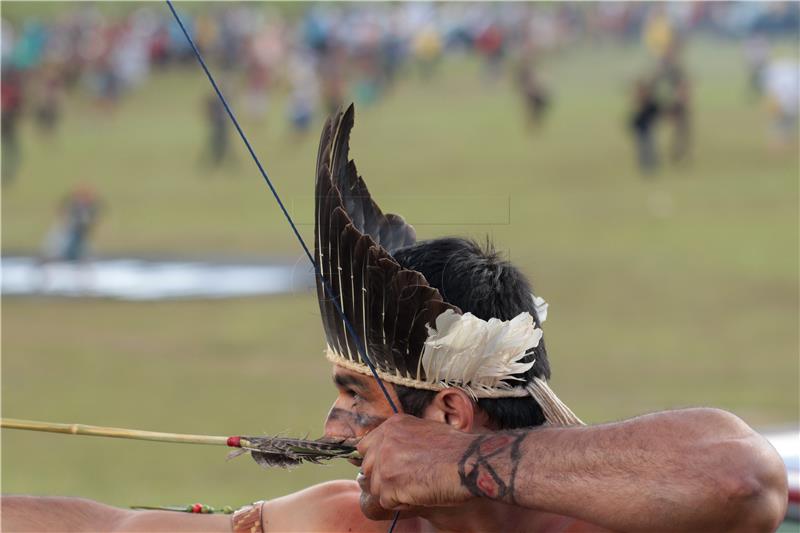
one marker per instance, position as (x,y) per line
(336,428)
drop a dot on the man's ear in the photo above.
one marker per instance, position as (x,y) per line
(453,407)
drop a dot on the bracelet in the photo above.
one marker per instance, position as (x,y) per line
(247,519)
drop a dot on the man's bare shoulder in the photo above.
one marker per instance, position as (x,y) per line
(333,507)
(330,507)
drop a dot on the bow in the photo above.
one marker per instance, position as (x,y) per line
(327,288)
(328,291)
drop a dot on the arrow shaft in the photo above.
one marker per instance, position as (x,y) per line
(117,433)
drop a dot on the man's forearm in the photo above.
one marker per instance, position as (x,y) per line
(56,514)
(46,514)
(693,470)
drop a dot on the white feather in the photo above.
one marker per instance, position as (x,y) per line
(465,351)
(541,307)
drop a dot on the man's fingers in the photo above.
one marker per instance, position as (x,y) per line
(390,500)
(374,485)
(368,440)
(386,502)
(368,462)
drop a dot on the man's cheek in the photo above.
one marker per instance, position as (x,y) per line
(366,422)
(348,424)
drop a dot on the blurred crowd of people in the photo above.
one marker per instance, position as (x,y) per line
(663,95)
(325,55)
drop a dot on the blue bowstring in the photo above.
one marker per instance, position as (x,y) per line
(325,285)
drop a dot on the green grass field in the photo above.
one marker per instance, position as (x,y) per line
(676,291)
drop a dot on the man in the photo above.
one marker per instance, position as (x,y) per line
(644,116)
(483,443)
(78,213)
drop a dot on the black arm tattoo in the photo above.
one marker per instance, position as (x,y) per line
(488,469)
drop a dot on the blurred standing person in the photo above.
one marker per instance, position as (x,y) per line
(218,146)
(130,59)
(257,80)
(679,113)
(7,41)
(108,84)
(29,48)
(643,120)
(265,49)
(303,96)
(50,90)
(178,49)
(158,47)
(232,28)
(535,95)
(491,43)
(427,48)
(64,48)
(756,56)
(674,91)
(330,69)
(11,95)
(68,239)
(367,61)
(392,54)
(782,89)
(205,33)
(315,31)
(98,50)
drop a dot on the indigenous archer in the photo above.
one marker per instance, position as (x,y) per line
(483,443)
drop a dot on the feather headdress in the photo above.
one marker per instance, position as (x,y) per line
(410,334)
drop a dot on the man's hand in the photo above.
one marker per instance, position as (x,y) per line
(409,463)
(693,470)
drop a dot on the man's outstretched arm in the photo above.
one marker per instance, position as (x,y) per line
(57,514)
(331,506)
(689,470)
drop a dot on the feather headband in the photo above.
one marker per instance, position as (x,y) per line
(411,335)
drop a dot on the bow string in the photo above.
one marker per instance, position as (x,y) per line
(317,273)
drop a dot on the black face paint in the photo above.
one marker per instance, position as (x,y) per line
(356,423)
(344,381)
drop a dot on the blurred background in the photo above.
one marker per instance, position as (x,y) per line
(638,161)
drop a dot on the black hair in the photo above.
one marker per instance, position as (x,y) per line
(478,281)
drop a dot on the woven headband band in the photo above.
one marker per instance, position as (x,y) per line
(555,411)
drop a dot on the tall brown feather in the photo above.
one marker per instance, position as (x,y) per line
(387,306)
